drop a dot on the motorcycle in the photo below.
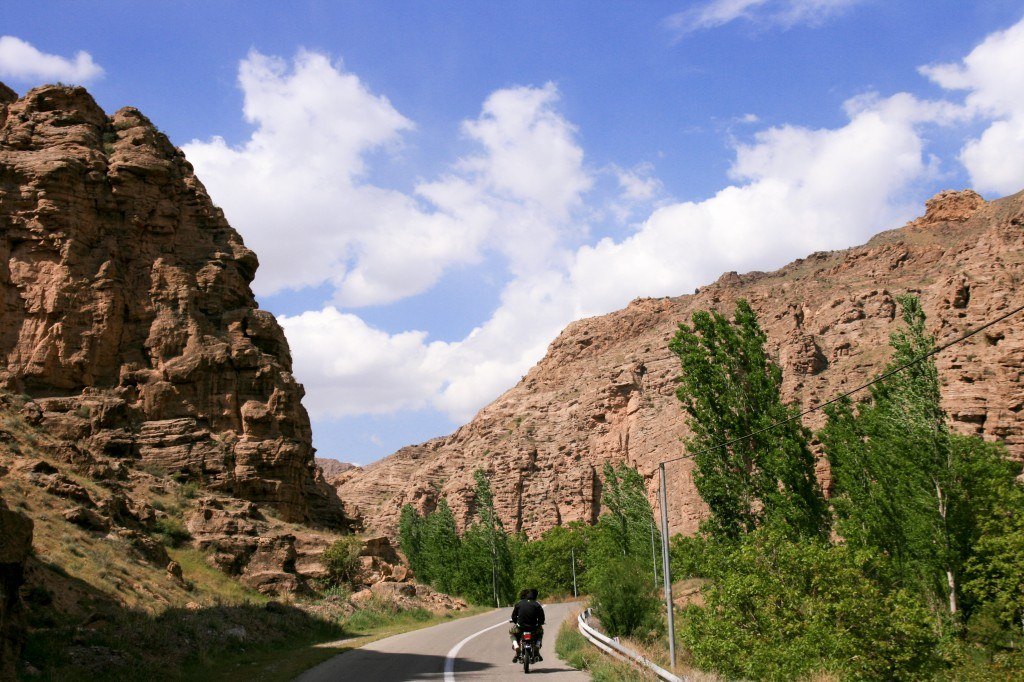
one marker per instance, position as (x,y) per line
(527,650)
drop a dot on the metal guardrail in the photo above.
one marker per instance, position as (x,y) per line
(613,648)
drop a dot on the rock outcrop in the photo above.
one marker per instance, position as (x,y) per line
(126,313)
(15,545)
(606,389)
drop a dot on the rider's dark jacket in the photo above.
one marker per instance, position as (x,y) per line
(528,614)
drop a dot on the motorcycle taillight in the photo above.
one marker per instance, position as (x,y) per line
(527,635)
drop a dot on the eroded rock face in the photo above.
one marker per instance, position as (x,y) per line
(239,541)
(126,312)
(605,391)
(15,545)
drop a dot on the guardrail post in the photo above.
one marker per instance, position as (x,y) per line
(665,570)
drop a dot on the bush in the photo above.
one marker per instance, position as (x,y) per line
(695,556)
(341,560)
(624,597)
(172,531)
(782,609)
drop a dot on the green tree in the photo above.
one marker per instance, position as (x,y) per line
(625,529)
(783,608)
(994,570)
(630,516)
(546,563)
(441,548)
(903,484)
(625,599)
(410,541)
(485,563)
(731,391)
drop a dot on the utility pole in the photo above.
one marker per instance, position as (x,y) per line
(654,558)
(494,564)
(666,573)
(573,551)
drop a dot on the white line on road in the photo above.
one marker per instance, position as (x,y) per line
(449,661)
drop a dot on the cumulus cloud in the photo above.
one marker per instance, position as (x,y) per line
(796,190)
(297,188)
(518,194)
(765,13)
(22,61)
(350,368)
(992,76)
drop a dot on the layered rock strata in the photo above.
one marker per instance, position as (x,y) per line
(605,391)
(126,313)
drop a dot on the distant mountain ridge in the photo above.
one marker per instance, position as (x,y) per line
(605,391)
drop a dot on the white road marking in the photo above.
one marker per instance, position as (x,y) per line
(449,661)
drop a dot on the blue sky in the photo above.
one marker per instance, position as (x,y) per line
(436,189)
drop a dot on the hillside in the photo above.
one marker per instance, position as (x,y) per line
(605,389)
(157,479)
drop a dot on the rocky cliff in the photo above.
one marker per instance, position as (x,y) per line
(126,314)
(605,390)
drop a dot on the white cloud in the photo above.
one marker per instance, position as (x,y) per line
(794,190)
(638,184)
(797,190)
(297,189)
(20,60)
(781,13)
(350,368)
(994,79)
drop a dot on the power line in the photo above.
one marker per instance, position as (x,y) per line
(836,399)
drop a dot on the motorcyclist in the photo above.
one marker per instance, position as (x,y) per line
(527,614)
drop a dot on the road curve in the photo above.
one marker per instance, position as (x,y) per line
(479,651)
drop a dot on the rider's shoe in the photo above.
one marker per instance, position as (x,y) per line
(539,657)
(515,659)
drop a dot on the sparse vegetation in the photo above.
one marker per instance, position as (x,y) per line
(172,531)
(573,648)
(342,560)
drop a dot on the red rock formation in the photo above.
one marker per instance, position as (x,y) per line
(606,389)
(126,313)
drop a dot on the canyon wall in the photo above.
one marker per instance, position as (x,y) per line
(605,391)
(126,315)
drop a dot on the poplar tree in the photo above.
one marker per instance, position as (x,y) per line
(731,391)
(441,548)
(904,485)
(628,526)
(410,541)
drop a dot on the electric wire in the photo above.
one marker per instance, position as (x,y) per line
(881,377)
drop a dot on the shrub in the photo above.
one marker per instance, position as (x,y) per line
(172,531)
(783,609)
(341,560)
(624,597)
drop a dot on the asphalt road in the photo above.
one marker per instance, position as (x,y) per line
(476,648)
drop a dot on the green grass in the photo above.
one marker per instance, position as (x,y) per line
(573,648)
(209,581)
